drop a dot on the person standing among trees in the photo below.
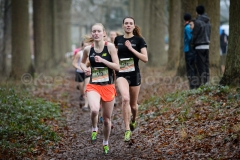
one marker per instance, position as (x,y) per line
(190,56)
(191,23)
(223,45)
(131,47)
(103,60)
(201,40)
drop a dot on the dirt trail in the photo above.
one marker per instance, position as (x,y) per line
(158,138)
(76,143)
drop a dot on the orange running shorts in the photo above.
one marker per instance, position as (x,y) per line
(107,92)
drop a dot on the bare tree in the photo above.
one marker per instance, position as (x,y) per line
(61,30)
(175,38)
(2,31)
(5,36)
(157,53)
(43,34)
(232,71)
(108,12)
(146,16)
(187,6)
(21,56)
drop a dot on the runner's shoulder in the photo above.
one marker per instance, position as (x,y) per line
(87,48)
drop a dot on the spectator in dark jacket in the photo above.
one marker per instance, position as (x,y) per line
(201,39)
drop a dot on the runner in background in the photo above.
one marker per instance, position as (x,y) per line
(113,35)
(80,77)
(77,50)
(131,48)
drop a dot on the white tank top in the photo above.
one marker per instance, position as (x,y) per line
(79,61)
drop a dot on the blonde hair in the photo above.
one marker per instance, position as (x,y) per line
(89,39)
(99,24)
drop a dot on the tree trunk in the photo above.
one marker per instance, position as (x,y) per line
(5,44)
(131,7)
(61,31)
(2,31)
(138,14)
(146,15)
(43,34)
(175,38)
(145,28)
(212,9)
(21,55)
(232,71)
(156,44)
(187,6)
(57,48)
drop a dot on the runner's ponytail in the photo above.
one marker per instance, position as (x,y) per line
(88,39)
(137,31)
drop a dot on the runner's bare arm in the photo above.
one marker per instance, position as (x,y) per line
(75,61)
(143,56)
(84,59)
(113,52)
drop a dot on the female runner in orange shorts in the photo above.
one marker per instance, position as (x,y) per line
(103,59)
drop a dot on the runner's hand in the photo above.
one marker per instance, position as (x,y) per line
(128,45)
(98,59)
(87,71)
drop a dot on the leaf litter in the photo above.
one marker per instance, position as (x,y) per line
(174,123)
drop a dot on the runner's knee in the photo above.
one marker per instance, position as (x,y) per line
(134,106)
(94,112)
(125,99)
(106,121)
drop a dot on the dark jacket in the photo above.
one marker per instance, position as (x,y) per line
(223,39)
(201,31)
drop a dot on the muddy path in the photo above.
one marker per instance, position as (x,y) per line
(77,130)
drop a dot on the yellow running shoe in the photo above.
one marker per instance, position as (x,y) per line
(94,137)
(105,149)
(133,125)
(127,136)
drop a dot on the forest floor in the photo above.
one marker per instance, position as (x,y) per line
(169,135)
(76,133)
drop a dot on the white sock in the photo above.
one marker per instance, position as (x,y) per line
(95,129)
(105,143)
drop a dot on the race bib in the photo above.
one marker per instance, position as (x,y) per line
(100,74)
(126,65)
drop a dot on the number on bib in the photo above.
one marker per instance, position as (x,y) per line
(100,74)
(127,65)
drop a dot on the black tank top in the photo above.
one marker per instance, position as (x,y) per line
(100,73)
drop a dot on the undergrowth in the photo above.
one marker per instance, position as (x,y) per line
(26,124)
(199,124)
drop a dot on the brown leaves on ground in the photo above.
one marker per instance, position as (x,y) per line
(201,125)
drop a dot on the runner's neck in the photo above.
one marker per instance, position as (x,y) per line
(98,45)
(128,35)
